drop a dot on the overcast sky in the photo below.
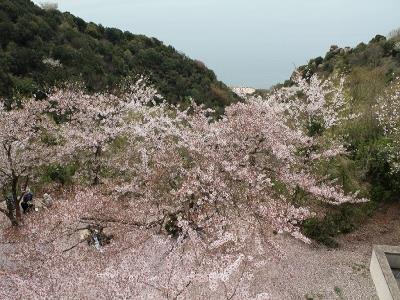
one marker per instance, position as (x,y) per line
(246,42)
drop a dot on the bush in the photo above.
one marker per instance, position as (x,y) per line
(315,127)
(60,174)
(378,38)
(337,221)
(316,230)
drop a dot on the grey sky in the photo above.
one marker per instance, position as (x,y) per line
(247,43)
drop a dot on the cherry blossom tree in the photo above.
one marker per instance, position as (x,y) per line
(91,122)
(192,167)
(194,202)
(25,145)
(388,114)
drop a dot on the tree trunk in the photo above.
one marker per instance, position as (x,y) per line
(18,213)
(14,188)
(10,212)
(97,166)
(13,219)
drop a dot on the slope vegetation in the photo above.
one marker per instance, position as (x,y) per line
(372,74)
(43,47)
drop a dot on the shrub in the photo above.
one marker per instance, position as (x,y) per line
(378,38)
(60,174)
(337,221)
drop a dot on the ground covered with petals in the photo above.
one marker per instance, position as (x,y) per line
(38,260)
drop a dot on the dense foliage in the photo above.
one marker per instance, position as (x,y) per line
(43,47)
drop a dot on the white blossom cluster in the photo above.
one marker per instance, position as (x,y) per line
(206,192)
(388,115)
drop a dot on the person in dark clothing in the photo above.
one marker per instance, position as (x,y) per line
(26,202)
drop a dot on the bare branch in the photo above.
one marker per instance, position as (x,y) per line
(112,220)
(69,249)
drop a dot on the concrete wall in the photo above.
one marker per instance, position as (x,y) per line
(383,259)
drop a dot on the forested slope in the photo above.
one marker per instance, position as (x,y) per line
(40,48)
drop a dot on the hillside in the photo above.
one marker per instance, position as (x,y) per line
(371,72)
(44,47)
(370,69)
(381,55)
